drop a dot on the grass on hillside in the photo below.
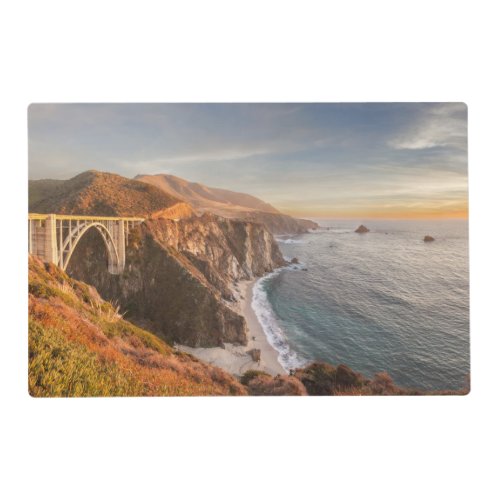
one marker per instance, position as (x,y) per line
(80,346)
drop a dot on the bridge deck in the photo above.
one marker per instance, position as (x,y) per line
(83,217)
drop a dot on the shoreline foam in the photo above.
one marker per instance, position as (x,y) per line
(268,322)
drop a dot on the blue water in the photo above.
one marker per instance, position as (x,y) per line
(381,301)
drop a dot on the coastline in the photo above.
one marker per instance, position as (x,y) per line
(234,358)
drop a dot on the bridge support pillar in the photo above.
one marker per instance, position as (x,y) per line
(121,245)
(50,243)
(117,264)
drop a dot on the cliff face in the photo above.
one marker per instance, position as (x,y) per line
(219,247)
(178,275)
(280,223)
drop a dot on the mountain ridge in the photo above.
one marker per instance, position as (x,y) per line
(228,204)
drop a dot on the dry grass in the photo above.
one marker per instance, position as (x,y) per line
(80,346)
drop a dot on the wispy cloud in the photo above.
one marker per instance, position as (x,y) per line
(155,165)
(439,126)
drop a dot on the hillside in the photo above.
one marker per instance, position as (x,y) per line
(79,345)
(228,204)
(43,188)
(99,193)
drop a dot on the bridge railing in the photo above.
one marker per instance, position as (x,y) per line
(32,216)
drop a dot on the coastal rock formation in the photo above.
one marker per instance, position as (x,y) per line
(178,276)
(294,260)
(362,229)
(428,239)
(254,354)
(259,383)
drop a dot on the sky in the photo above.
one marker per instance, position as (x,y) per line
(372,160)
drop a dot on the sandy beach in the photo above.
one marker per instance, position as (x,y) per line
(233,358)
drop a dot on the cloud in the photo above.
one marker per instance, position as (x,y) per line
(443,125)
(155,164)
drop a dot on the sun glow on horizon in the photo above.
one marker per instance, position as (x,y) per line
(422,214)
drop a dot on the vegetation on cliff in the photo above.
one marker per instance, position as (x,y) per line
(323,379)
(79,345)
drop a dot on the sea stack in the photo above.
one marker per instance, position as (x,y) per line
(362,229)
(428,239)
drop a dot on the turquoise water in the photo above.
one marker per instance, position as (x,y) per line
(381,301)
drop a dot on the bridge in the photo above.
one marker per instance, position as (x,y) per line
(54,237)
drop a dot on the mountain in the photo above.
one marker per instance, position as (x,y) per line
(42,189)
(203,198)
(228,204)
(99,193)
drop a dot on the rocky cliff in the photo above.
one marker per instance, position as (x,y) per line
(179,275)
(279,223)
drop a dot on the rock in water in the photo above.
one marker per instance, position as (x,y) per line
(428,239)
(362,229)
(295,260)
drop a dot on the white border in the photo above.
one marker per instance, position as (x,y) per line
(385,448)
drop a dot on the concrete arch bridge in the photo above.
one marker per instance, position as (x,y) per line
(54,237)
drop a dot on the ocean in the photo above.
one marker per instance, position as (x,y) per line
(380,301)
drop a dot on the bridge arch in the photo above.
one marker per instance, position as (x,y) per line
(54,238)
(72,240)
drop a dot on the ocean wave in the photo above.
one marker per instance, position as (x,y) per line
(290,241)
(335,230)
(275,335)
